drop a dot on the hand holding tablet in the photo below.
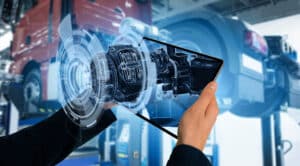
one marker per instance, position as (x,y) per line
(198,120)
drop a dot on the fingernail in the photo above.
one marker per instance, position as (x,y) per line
(213,85)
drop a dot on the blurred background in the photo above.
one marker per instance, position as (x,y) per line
(259,85)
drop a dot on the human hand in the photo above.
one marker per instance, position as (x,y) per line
(197,122)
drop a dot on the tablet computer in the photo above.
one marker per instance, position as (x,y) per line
(165,113)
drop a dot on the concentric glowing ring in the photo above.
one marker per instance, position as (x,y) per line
(83,74)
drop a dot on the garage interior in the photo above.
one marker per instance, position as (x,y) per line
(258,125)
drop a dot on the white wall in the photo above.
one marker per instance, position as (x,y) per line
(240,141)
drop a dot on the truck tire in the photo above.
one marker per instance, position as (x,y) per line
(209,43)
(32,91)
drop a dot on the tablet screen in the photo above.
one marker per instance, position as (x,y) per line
(171,98)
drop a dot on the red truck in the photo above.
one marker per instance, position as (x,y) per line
(36,38)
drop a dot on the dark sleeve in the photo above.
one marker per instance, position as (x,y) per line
(187,156)
(48,142)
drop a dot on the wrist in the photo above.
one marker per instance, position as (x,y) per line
(195,144)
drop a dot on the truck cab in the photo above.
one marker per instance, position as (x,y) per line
(36,40)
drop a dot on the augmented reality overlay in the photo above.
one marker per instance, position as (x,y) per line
(126,73)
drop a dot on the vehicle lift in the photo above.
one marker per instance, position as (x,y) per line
(271,140)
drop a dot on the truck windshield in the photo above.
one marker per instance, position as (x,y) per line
(24,6)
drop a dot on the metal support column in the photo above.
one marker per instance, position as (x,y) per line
(278,141)
(267,141)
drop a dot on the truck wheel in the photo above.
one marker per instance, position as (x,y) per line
(209,43)
(32,91)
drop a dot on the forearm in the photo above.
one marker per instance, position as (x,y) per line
(49,141)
